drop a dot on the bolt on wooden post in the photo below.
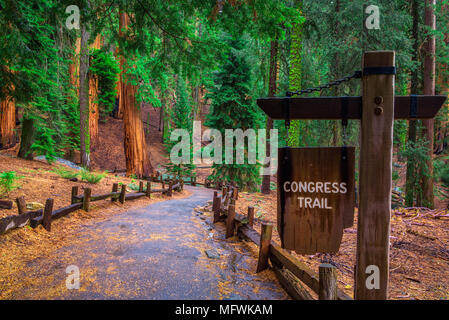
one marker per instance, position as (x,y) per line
(373,235)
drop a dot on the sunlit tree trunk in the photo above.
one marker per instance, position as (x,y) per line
(7,122)
(429,89)
(93,96)
(84,98)
(136,153)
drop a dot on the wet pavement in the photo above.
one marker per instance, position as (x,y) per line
(155,252)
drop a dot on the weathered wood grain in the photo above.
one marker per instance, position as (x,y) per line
(322,108)
(306,229)
(373,233)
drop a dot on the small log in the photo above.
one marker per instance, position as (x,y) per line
(327,282)
(21,205)
(46,218)
(17,221)
(148,190)
(122,194)
(98,197)
(86,199)
(140,186)
(6,204)
(74,194)
(58,213)
(163,183)
(114,189)
(264,250)
(230,223)
(250,216)
(135,195)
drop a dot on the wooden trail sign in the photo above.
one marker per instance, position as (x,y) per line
(377,109)
(315,197)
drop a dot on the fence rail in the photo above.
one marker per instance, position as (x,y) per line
(47,215)
(291,273)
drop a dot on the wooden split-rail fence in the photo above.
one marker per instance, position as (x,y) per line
(46,215)
(291,273)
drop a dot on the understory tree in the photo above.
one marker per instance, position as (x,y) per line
(233,108)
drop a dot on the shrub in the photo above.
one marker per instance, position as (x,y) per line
(91,177)
(8,182)
(65,173)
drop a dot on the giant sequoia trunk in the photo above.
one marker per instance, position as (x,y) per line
(271,92)
(94,112)
(84,99)
(429,89)
(136,154)
(7,122)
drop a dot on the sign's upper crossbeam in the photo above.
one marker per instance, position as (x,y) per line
(408,107)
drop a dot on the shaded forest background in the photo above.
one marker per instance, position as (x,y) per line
(131,62)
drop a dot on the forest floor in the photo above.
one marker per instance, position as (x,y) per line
(419,252)
(164,250)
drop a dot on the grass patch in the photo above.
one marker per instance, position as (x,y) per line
(8,182)
(65,173)
(91,177)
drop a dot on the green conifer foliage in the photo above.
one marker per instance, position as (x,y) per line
(233,108)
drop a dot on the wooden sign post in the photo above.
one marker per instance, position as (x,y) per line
(377,109)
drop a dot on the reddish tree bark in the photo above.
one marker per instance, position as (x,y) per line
(136,153)
(7,122)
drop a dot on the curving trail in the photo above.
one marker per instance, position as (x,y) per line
(155,252)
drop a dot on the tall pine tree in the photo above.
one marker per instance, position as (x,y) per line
(233,108)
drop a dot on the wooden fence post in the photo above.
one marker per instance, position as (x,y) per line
(264,250)
(46,218)
(74,194)
(170,187)
(327,282)
(373,233)
(86,199)
(230,223)
(235,193)
(21,205)
(216,207)
(163,184)
(114,189)
(148,190)
(122,194)
(251,216)
(182,184)
(140,186)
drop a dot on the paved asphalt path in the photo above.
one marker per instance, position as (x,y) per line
(154,252)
